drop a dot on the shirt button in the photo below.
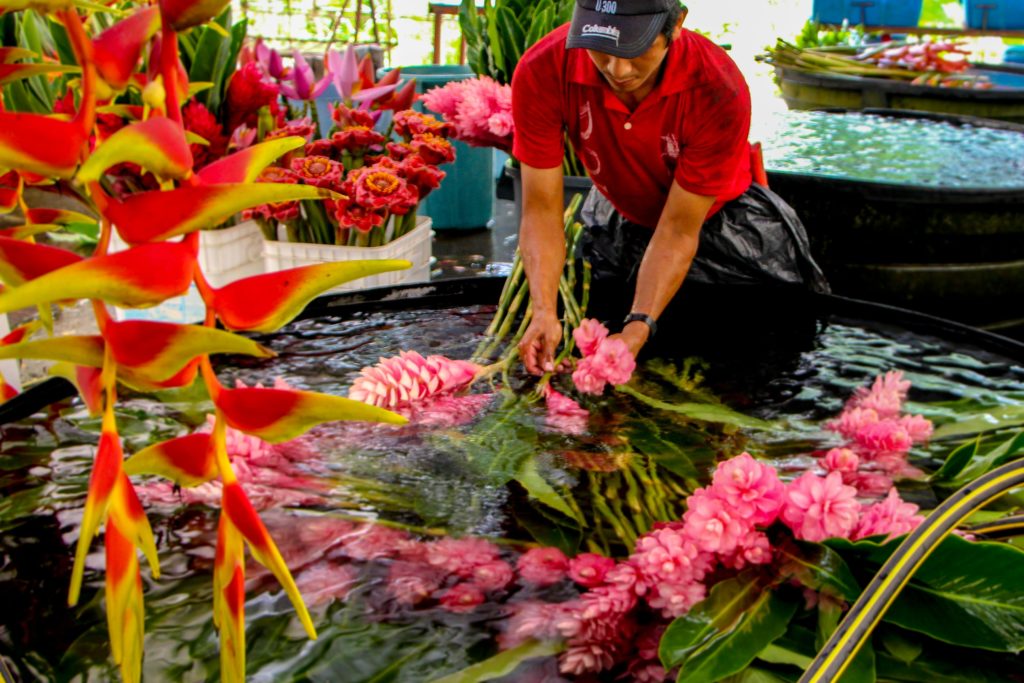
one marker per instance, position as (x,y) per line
(628,126)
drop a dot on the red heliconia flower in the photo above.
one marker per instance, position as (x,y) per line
(247,92)
(198,119)
(10,190)
(344,117)
(423,176)
(355,138)
(433,148)
(318,170)
(379,187)
(118,48)
(410,122)
(183,14)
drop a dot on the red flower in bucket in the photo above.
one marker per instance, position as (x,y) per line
(433,148)
(318,170)
(380,187)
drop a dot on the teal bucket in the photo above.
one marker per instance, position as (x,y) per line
(465,199)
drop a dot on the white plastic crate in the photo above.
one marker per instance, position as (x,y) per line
(225,255)
(414,246)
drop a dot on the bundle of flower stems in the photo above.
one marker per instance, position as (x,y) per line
(514,304)
(830,61)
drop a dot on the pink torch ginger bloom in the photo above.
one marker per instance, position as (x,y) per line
(817,508)
(868,484)
(542,566)
(712,524)
(627,576)
(841,460)
(302,84)
(589,336)
(325,582)
(669,555)
(587,377)
(373,542)
(409,377)
(462,598)
(532,620)
(614,361)
(885,397)
(589,569)
(493,576)
(564,414)
(749,488)
(462,556)
(889,517)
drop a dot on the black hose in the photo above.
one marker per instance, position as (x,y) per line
(35,398)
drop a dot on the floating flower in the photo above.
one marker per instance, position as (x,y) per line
(583,659)
(614,361)
(409,377)
(542,566)
(492,576)
(462,598)
(749,488)
(889,517)
(671,555)
(888,436)
(462,556)
(885,396)
(841,460)
(412,582)
(564,414)
(589,569)
(817,508)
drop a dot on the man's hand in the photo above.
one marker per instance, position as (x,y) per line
(635,335)
(538,345)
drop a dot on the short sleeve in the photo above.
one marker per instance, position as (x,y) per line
(715,136)
(537,108)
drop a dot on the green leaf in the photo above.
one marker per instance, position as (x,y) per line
(503,663)
(210,48)
(998,417)
(707,412)
(754,675)
(957,461)
(539,488)
(724,633)
(994,458)
(965,593)
(899,646)
(819,567)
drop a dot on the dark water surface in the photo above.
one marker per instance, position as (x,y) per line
(445,479)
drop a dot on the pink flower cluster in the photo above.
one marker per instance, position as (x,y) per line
(564,414)
(479,108)
(605,360)
(401,381)
(879,437)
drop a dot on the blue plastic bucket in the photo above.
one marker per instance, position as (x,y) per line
(868,12)
(465,199)
(999,15)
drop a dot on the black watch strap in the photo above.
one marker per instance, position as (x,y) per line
(644,318)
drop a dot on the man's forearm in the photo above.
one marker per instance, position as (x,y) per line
(664,266)
(542,245)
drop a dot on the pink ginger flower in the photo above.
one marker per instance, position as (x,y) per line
(841,460)
(583,659)
(868,484)
(447,410)
(462,556)
(589,569)
(409,377)
(462,598)
(627,576)
(646,667)
(587,378)
(712,524)
(889,517)
(564,414)
(410,583)
(669,555)
(918,428)
(589,336)
(817,508)
(887,436)
(542,566)
(614,361)
(749,488)
(852,420)
(493,576)
(676,599)
(885,397)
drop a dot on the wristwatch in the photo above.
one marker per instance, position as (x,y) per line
(644,318)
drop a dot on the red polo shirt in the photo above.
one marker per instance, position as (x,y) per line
(692,128)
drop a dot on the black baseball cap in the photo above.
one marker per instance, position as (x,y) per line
(624,28)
